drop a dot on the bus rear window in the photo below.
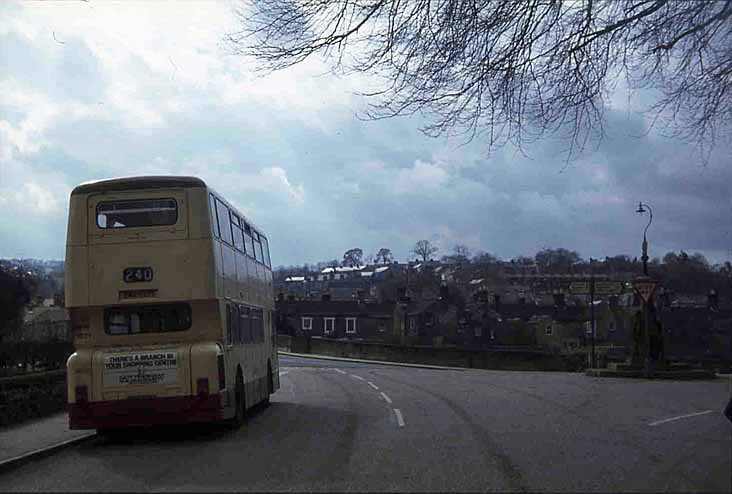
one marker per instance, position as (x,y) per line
(147,319)
(135,213)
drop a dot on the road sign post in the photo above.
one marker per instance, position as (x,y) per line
(646,287)
(593,288)
(592,312)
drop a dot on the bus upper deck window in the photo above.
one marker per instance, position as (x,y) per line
(136,213)
(265,247)
(249,240)
(258,248)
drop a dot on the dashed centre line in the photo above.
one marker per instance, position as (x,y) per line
(400,419)
(397,412)
(659,422)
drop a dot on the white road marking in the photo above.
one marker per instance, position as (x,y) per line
(283,373)
(659,422)
(400,419)
(357,377)
(373,385)
(340,371)
(388,400)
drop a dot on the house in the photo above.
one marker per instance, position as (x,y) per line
(484,324)
(46,324)
(697,332)
(437,321)
(340,273)
(559,327)
(339,319)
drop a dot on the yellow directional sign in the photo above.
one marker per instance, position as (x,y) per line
(601,287)
(608,288)
(580,287)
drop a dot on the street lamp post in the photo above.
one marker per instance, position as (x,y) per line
(644,257)
(645,303)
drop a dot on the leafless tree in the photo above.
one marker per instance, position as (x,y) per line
(514,70)
(424,249)
(384,256)
(352,257)
(460,255)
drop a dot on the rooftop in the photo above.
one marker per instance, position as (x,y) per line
(138,182)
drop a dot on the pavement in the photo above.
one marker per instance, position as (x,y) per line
(18,443)
(342,426)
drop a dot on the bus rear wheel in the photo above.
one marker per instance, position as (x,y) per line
(112,434)
(270,386)
(239,401)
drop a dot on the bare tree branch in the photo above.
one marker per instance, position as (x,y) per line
(512,70)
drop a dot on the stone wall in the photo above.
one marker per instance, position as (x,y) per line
(513,359)
(31,395)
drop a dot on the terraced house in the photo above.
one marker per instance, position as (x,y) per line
(340,319)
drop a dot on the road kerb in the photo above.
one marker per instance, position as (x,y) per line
(19,460)
(376,362)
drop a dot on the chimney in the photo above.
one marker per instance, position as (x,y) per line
(713,299)
(497,301)
(559,299)
(325,297)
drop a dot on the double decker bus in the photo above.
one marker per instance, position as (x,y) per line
(169,292)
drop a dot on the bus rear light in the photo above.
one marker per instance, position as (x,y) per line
(222,372)
(202,386)
(82,394)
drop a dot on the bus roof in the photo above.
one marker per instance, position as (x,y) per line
(140,182)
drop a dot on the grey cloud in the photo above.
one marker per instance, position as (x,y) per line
(503,202)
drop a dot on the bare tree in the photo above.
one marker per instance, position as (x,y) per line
(485,258)
(384,256)
(352,257)
(424,249)
(513,70)
(460,254)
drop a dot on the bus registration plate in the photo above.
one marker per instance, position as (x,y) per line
(134,275)
(152,367)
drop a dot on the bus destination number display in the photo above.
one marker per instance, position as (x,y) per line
(134,275)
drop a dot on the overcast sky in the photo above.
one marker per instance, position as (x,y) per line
(92,90)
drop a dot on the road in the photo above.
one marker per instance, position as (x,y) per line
(336,426)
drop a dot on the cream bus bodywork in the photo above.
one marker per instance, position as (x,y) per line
(182,375)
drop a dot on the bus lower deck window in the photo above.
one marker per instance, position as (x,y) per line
(147,319)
